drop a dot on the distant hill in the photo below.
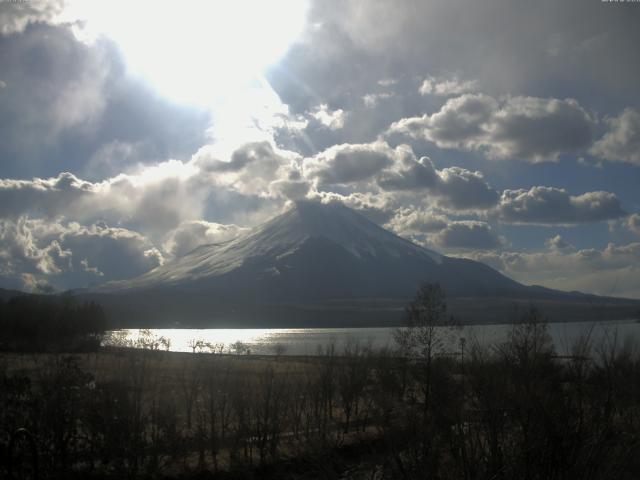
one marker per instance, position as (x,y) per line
(325,265)
(7,294)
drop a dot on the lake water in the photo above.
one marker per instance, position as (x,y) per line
(307,341)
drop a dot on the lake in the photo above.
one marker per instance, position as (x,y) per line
(307,341)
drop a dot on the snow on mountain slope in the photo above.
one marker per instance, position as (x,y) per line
(278,238)
(318,251)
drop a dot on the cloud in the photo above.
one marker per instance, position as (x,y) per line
(260,154)
(371,100)
(21,252)
(413,175)
(194,233)
(527,128)
(348,47)
(468,234)
(55,86)
(332,119)
(251,169)
(461,189)
(87,268)
(376,166)
(378,208)
(31,283)
(407,222)
(621,143)
(65,101)
(454,188)
(555,206)
(69,255)
(154,201)
(611,271)
(16,15)
(113,251)
(633,223)
(349,163)
(447,87)
(460,123)
(43,197)
(559,244)
(114,157)
(252,185)
(293,187)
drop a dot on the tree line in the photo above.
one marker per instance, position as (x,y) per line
(46,322)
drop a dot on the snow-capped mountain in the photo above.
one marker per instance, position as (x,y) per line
(319,251)
(326,265)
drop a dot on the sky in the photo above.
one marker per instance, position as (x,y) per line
(506,132)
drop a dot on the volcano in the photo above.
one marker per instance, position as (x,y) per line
(323,262)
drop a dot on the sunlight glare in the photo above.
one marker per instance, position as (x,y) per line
(196,51)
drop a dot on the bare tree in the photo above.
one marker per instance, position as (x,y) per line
(426,330)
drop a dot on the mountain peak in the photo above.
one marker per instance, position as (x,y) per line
(341,225)
(273,242)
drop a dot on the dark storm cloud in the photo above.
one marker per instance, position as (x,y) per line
(555,206)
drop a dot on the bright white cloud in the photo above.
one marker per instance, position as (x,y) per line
(15,16)
(194,233)
(332,119)
(447,87)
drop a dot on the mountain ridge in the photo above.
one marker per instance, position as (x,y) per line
(333,231)
(327,265)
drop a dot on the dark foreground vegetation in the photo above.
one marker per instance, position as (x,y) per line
(47,322)
(516,410)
